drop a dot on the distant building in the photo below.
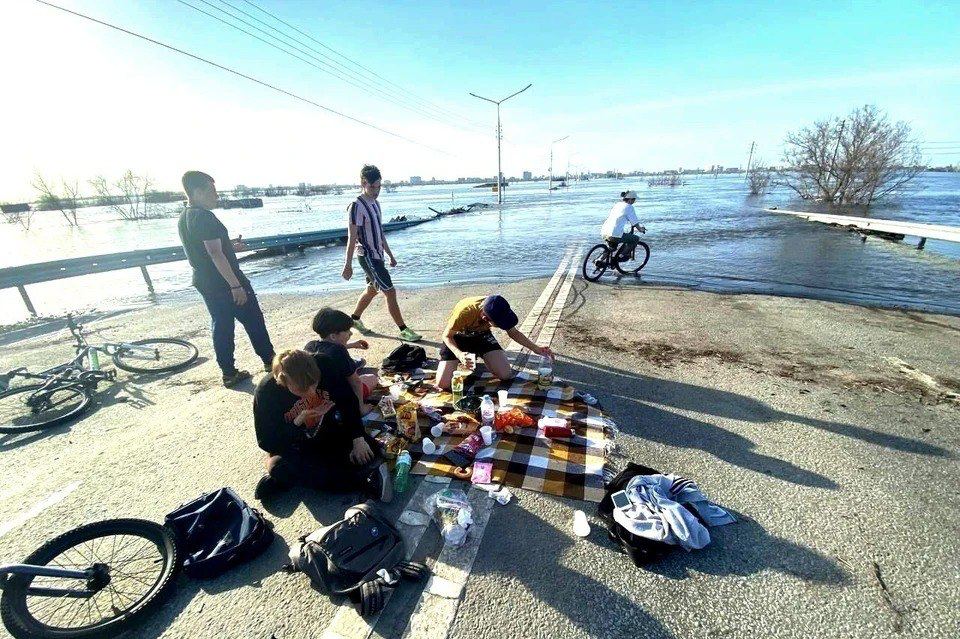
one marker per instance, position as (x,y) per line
(416,179)
(527,175)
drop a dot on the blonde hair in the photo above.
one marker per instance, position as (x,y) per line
(295,366)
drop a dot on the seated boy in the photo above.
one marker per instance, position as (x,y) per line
(468,331)
(312,433)
(334,328)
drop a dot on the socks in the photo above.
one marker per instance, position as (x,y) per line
(355,317)
(402,327)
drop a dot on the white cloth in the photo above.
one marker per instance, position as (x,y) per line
(617,220)
(656,511)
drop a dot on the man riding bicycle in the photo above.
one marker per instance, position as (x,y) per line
(622,213)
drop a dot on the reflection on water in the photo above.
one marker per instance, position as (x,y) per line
(708,233)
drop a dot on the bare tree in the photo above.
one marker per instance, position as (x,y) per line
(64,201)
(759,178)
(856,160)
(127,197)
(15,215)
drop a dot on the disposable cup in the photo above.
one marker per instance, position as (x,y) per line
(502,400)
(487,433)
(428,446)
(437,430)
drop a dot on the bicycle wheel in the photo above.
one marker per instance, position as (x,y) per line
(136,561)
(52,407)
(166,355)
(636,261)
(596,262)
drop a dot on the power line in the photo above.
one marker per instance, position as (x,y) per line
(242,75)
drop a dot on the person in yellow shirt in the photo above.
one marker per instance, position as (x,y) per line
(468,331)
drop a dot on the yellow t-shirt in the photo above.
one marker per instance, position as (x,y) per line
(466,318)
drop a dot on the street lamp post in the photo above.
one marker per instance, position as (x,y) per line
(499,136)
(551,158)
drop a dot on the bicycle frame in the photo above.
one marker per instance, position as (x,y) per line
(92,576)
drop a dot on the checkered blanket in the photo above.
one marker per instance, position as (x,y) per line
(527,459)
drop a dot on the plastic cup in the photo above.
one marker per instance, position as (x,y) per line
(502,400)
(428,446)
(487,433)
(396,391)
(437,430)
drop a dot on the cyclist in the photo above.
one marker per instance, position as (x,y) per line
(615,229)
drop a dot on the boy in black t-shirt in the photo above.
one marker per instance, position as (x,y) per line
(334,328)
(307,420)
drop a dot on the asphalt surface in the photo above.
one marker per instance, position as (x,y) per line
(805,419)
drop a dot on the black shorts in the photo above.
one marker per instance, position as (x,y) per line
(477,343)
(377,274)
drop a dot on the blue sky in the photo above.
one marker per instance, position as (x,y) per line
(648,85)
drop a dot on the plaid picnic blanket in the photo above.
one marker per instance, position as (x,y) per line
(527,459)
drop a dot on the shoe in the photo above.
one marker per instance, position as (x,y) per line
(357,324)
(267,487)
(268,367)
(235,378)
(409,335)
(380,485)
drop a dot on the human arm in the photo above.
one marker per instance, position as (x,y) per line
(274,434)
(631,214)
(526,342)
(362,344)
(452,344)
(214,249)
(351,245)
(386,250)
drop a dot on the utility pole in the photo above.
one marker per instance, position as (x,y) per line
(750,160)
(551,158)
(500,136)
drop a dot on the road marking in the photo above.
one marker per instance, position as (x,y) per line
(38,508)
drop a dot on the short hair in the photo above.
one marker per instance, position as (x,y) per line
(369,174)
(329,320)
(193,180)
(295,366)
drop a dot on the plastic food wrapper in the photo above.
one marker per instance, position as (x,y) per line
(408,422)
(452,512)
(464,453)
(482,472)
(386,406)
(512,419)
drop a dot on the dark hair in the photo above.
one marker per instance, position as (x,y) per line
(193,180)
(369,173)
(329,320)
(622,194)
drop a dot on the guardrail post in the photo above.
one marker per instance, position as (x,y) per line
(921,243)
(26,300)
(146,278)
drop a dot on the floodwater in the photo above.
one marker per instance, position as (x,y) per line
(708,233)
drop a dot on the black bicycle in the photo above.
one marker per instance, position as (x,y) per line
(616,255)
(64,392)
(93,581)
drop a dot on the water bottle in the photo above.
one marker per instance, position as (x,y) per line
(402,472)
(487,410)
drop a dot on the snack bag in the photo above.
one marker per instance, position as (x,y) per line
(464,453)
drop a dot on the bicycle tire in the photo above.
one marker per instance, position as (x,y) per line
(190,355)
(21,623)
(590,259)
(54,420)
(643,262)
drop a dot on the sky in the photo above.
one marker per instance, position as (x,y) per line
(635,85)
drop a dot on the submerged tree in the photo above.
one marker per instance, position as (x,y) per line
(758,177)
(64,200)
(856,160)
(127,196)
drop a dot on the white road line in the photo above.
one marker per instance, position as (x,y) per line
(437,608)
(534,315)
(38,508)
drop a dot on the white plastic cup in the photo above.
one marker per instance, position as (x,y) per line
(502,400)
(437,430)
(487,433)
(428,446)
(396,391)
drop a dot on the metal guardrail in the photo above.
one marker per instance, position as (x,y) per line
(19,276)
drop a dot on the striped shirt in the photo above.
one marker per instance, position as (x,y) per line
(365,215)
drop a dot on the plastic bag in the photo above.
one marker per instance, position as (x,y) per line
(452,512)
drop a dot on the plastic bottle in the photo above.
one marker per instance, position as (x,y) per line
(402,472)
(487,410)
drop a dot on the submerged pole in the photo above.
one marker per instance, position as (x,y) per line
(146,278)
(26,300)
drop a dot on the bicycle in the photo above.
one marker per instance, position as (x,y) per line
(93,581)
(617,255)
(64,392)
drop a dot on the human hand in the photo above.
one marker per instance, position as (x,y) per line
(362,344)
(361,453)
(239,295)
(393,260)
(347,271)
(545,351)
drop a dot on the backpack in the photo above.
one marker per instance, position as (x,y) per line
(640,549)
(217,531)
(404,358)
(360,557)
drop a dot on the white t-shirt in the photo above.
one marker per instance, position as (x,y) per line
(622,215)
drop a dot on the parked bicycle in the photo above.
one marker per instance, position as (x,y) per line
(616,255)
(93,581)
(64,392)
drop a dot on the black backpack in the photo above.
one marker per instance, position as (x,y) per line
(217,531)
(640,549)
(404,358)
(360,557)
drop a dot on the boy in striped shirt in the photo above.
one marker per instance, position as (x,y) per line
(365,236)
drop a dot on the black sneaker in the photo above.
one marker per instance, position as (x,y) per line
(235,378)
(379,484)
(266,487)
(268,367)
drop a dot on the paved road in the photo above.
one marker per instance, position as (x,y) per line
(840,464)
